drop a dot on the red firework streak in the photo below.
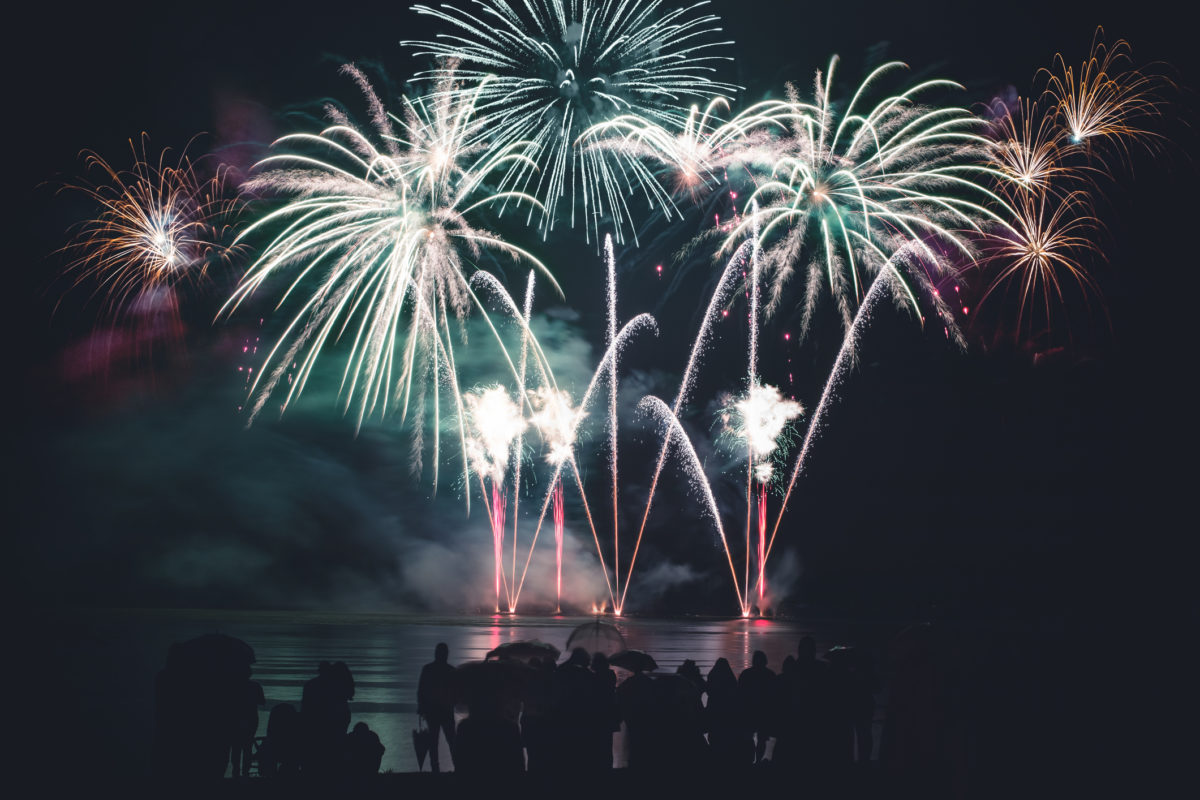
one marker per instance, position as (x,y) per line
(762,543)
(497,511)
(558,540)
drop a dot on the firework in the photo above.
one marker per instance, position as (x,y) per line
(698,156)
(1040,249)
(857,186)
(377,232)
(494,421)
(674,432)
(884,280)
(1026,147)
(547,70)
(758,422)
(557,422)
(728,281)
(159,228)
(1106,99)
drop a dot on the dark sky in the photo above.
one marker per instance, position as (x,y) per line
(977,481)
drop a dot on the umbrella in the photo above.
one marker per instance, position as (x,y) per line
(597,637)
(524,651)
(841,654)
(633,660)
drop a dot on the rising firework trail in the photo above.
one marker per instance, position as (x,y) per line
(547,70)
(640,323)
(610,262)
(674,432)
(726,285)
(846,358)
(556,421)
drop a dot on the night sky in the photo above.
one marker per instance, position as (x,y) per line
(1035,478)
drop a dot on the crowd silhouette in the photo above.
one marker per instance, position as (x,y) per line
(534,714)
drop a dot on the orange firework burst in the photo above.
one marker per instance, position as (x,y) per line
(1025,146)
(159,225)
(1107,99)
(1039,251)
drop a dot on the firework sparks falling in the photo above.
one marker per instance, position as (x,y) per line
(857,186)
(548,70)
(383,233)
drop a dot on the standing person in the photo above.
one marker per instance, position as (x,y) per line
(756,685)
(245,726)
(435,701)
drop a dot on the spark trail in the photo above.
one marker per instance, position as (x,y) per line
(846,358)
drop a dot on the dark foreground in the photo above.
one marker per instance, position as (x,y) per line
(1096,780)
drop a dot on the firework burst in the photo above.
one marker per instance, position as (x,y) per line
(1106,99)
(857,186)
(547,70)
(1039,251)
(160,228)
(377,231)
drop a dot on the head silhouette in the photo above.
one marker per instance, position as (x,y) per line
(759,659)
(807,650)
(441,653)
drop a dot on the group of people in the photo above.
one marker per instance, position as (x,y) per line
(536,715)
(206,723)
(543,716)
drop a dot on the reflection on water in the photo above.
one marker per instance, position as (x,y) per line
(124,650)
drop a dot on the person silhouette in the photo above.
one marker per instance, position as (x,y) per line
(435,701)
(364,751)
(244,726)
(756,685)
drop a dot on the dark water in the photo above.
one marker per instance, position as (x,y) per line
(106,662)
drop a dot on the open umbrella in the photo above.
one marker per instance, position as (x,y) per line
(633,660)
(597,637)
(524,651)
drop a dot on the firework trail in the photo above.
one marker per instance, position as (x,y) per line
(160,227)
(378,232)
(856,186)
(658,410)
(728,282)
(547,70)
(846,358)
(521,389)
(495,422)
(610,262)
(556,421)
(563,440)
